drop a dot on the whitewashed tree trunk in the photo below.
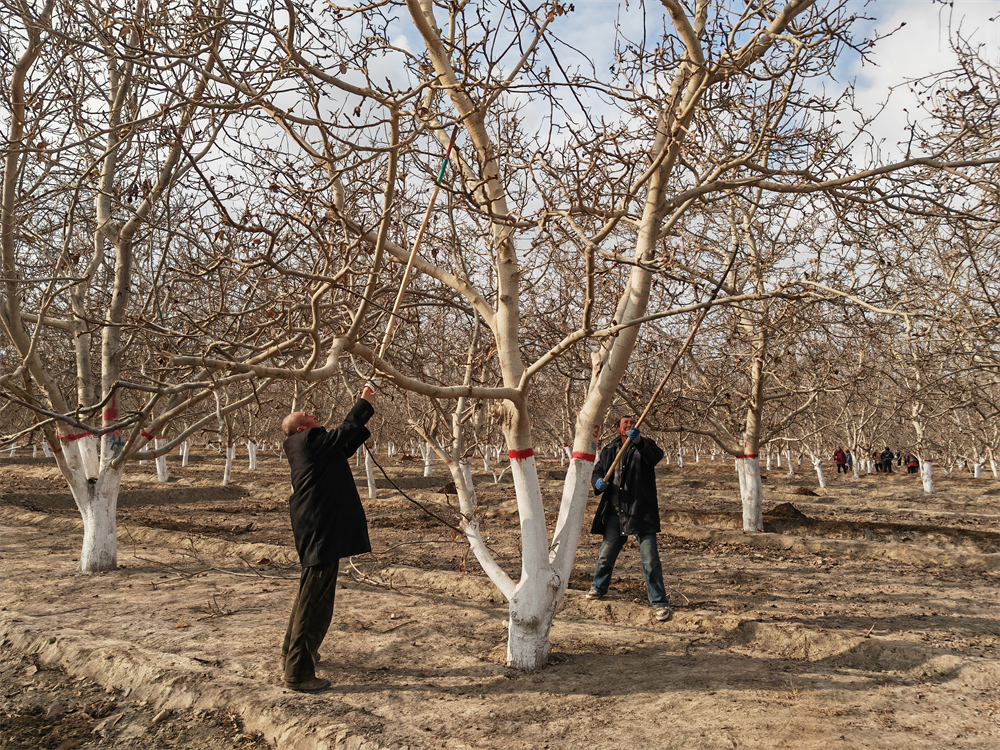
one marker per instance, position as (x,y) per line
(185,452)
(713,455)
(818,466)
(252,453)
(856,467)
(34,450)
(791,464)
(697,456)
(358,459)
(778,456)
(927,476)
(995,469)
(680,459)
(666,458)
(227,474)
(48,452)
(162,475)
(977,470)
(751,493)
(768,466)
(370,474)
(428,453)
(487,451)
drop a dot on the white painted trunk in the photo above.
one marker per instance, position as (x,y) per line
(48,453)
(870,466)
(162,475)
(751,493)
(927,476)
(358,459)
(680,459)
(536,595)
(428,452)
(856,468)
(666,458)
(487,450)
(227,474)
(977,470)
(791,464)
(185,452)
(252,452)
(697,456)
(818,466)
(98,505)
(779,459)
(995,469)
(768,466)
(34,450)
(370,473)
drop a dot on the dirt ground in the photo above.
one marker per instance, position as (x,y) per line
(865,616)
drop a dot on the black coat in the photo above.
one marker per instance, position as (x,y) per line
(328,520)
(639,512)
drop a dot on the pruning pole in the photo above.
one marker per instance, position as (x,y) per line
(416,246)
(656,394)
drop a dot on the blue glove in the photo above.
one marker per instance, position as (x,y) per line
(600,485)
(633,434)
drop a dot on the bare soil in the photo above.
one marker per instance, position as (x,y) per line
(865,616)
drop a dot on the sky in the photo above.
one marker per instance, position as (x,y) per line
(918,49)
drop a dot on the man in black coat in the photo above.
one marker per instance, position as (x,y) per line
(328,523)
(629,507)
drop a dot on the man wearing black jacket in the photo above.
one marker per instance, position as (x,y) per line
(629,507)
(328,523)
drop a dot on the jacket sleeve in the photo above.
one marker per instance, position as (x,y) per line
(352,433)
(651,453)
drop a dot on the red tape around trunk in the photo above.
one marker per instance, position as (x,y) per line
(521,455)
(584,456)
(77,436)
(747,455)
(147,435)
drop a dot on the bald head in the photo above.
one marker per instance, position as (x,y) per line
(298,421)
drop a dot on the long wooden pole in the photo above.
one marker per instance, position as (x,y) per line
(656,394)
(416,246)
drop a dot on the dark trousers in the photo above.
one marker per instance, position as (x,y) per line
(310,619)
(651,567)
(841,467)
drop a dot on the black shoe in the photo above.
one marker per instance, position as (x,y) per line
(315,685)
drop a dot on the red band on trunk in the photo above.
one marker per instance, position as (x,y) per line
(110,414)
(77,436)
(521,455)
(584,456)
(147,435)
(747,455)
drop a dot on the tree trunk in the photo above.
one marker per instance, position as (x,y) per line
(162,475)
(927,476)
(768,461)
(98,504)
(185,452)
(818,466)
(751,493)
(227,473)
(428,453)
(370,473)
(977,470)
(791,464)
(252,451)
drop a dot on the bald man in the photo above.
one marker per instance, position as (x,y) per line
(328,523)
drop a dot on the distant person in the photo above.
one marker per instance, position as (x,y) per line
(840,458)
(912,463)
(850,459)
(877,460)
(886,458)
(328,523)
(629,507)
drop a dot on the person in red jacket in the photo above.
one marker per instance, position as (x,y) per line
(840,458)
